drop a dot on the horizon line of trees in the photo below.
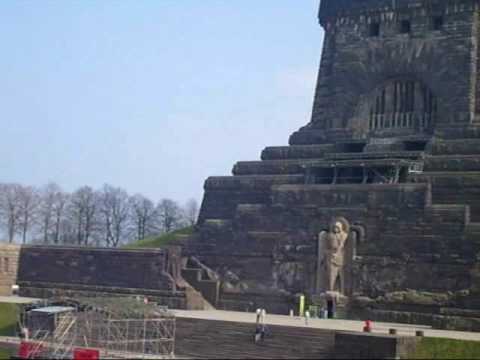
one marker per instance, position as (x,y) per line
(106,217)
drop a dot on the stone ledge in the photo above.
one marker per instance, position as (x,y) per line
(452,163)
(250,182)
(107,289)
(352,345)
(456,147)
(297,152)
(271,167)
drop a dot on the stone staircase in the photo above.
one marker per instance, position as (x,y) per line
(204,281)
(209,339)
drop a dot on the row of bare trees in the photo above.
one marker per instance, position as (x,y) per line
(87,217)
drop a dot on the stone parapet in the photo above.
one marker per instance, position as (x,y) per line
(270,167)
(223,194)
(460,163)
(354,195)
(49,290)
(297,152)
(143,269)
(354,345)
(456,147)
(253,182)
(330,9)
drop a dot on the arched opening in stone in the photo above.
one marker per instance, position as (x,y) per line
(401,104)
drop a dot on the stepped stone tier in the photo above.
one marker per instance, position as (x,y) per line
(377,198)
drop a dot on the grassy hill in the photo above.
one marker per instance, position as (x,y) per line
(8,322)
(5,353)
(433,348)
(162,240)
(8,319)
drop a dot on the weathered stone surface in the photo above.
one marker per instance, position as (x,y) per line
(211,339)
(392,146)
(9,255)
(373,346)
(96,267)
(47,272)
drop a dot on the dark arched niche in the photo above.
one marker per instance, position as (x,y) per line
(399,106)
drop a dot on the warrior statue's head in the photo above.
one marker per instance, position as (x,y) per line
(339,225)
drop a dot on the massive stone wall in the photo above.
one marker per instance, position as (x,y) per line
(100,267)
(355,64)
(71,272)
(392,147)
(409,243)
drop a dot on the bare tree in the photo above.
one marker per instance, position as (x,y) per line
(46,210)
(106,216)
(170,215)
(59,214)
(115,212)
(109,216)
(28,204)
(144,216)
(67,230)
(191,212)
(82,210)
(10,208)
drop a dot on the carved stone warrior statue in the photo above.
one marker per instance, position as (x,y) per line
(332,255)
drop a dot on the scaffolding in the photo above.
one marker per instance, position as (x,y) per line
(118,328)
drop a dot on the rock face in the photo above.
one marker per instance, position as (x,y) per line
(393,146)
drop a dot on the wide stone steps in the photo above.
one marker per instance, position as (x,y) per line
(208,288)
(297,152)
(451,187)
(204,339)
(452,163)
(297,166)
(449,177)
(271,167)
(223,194)
(413,155)
(456,147)
(250,182)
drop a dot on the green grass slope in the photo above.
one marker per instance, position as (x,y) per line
(5,354)
(162,240)
(8,322)
(433,348)
(8,319)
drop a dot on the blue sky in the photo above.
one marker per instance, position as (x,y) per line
(150,95)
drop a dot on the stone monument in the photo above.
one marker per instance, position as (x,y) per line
(393,146)
(391,153)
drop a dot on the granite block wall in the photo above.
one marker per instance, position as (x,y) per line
(47,272)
